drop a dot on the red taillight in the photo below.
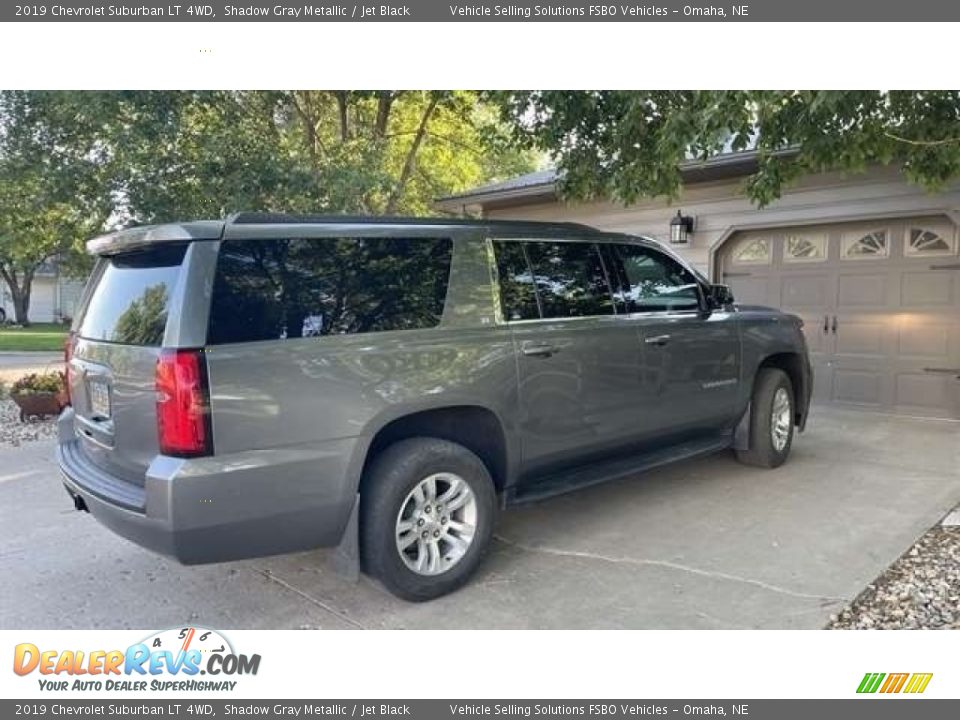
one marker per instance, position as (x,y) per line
(67,355)
(183,404)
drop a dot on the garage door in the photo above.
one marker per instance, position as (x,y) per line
(880,303)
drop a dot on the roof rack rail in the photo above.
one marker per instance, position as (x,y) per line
(270,218)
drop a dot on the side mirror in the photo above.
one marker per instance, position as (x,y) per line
(719,296)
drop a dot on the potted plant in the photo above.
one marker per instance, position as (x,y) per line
(39,394)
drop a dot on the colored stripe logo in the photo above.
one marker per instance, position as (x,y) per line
(913,683)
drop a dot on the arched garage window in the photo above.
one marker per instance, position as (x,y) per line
(925,241)
(805,248)
(752,251)
(859,245)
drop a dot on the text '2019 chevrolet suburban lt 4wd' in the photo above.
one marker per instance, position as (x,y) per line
(275,383)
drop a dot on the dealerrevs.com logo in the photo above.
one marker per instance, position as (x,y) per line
(168,660)
(891,683)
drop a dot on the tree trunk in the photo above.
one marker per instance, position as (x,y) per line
(385,100)
(341,96)
(410,160)
(20,293)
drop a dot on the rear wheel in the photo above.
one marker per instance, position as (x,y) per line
(427,513)
(771,420)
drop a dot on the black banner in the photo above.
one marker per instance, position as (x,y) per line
(486,11)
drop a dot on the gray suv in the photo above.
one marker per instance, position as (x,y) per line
(274,383)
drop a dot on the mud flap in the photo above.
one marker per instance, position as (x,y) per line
(741,435)
(346,558)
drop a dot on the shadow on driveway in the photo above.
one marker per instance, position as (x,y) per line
(702,544)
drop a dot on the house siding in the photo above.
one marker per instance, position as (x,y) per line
(720,208)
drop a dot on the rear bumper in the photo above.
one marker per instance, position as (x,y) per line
(220,508)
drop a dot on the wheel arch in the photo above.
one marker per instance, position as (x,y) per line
(793,364)
(477,428)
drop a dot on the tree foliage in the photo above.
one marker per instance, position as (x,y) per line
(630,144)
(75,163)
(52,190)
(207,154)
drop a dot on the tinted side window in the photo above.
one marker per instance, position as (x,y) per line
(277,289)
(570,279)
(518,295)
(129,303)
(655,282)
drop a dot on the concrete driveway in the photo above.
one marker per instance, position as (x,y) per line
(703,544)
(15,364)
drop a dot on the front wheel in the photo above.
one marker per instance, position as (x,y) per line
(771,420)
(427,513)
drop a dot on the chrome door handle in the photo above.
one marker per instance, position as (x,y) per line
(544,351)
(659,340)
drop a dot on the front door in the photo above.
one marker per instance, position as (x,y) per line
(691,357)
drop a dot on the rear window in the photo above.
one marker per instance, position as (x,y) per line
(132,295)
(280,289)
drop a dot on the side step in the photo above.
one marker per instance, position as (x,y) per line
(601,472)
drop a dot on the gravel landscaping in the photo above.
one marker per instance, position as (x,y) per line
(921,590)
(15,433)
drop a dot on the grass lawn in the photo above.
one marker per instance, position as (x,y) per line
(39,336)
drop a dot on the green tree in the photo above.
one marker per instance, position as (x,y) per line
(630,144)
(207,154)
(74,163)
(52,191)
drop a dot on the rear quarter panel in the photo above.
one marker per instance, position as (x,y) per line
(304,394)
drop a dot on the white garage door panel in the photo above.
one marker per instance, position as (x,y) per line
(41,300)
(862,291)
(803,291)
(882,324)
(923,393)
(927,288)
(925,341)
(750,290)
(858,387)
(864,337)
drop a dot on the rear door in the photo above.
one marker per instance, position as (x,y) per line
(118,335)
(691,357)
(579,368)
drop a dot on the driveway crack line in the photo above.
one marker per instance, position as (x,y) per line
(308,597)
(644,562)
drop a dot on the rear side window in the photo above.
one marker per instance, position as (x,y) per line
(278,289)
(132,295)
(552,280)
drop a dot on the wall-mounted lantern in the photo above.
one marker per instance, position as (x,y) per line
(681,227)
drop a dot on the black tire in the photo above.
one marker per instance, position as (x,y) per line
(762,451)
(391,477)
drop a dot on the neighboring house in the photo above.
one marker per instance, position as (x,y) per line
(869,261)
(53,297)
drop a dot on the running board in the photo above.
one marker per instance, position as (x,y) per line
(601,472)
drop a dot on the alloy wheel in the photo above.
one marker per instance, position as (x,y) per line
(436,524)
(781,419)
